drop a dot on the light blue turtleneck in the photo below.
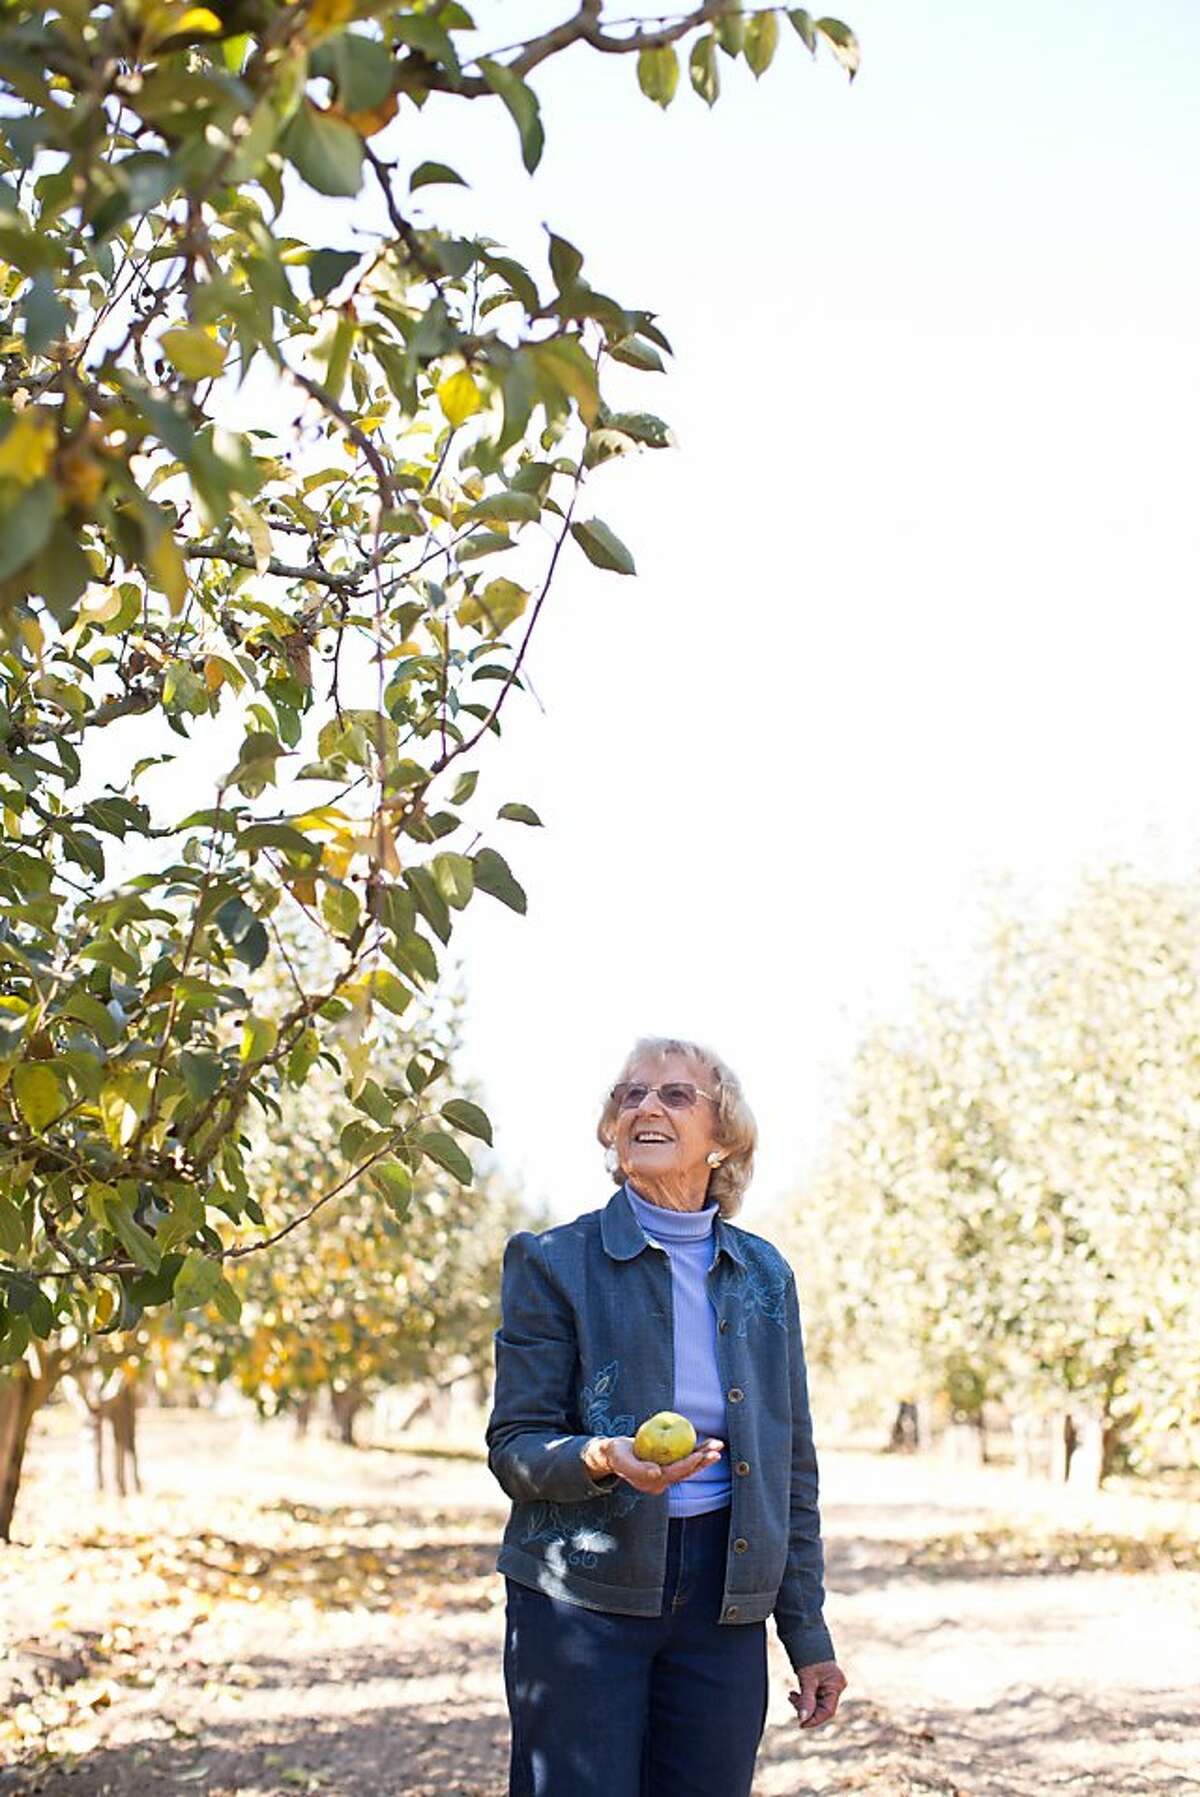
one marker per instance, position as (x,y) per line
(687,1237)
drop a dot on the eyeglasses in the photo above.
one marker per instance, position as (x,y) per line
(676,1094)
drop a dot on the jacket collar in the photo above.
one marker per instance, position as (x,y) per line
(624,1237)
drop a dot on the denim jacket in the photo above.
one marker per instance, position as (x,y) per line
(585,1348)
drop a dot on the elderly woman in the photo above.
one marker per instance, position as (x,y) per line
(635,1655)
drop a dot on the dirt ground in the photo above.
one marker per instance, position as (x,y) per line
(273,1616)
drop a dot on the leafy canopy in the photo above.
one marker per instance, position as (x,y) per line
(278,453)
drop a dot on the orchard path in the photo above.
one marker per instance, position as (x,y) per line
(273,1616)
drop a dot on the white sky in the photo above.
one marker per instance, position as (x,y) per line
(916,595)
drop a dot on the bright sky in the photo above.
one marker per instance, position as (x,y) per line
(916,604)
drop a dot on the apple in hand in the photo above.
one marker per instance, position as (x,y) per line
(664,1438)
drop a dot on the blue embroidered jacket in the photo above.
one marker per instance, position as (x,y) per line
(585,1348)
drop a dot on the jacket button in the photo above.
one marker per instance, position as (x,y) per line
(740,1545)
(723,1324)
(742,1467)
(735,1394)
(731,1611)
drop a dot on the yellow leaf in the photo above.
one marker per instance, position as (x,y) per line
(499,605)
(327,15)
(388,857)
(26,451)
(190,348)
(214,672)
(256,529)
(164,562)
(101,605)
(458,396)
(200,18)
(357,1056)
(81,476)
(258,1038)
(374,118)
(39,1095)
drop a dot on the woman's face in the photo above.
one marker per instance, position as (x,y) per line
(656,1142)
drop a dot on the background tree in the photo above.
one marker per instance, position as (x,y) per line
(1009,1206)
(361,1299)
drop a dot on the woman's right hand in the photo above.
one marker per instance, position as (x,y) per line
(646,1475)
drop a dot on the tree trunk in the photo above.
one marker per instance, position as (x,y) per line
(122,1412)
(345,1406)
(23,1391)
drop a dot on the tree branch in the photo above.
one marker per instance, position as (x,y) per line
(243,558)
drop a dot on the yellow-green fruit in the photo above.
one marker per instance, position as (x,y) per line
(664,1438)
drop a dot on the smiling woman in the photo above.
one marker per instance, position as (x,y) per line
(668,1147)
(653,1583)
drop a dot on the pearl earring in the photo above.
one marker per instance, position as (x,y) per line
(612,1159)
(714,1159)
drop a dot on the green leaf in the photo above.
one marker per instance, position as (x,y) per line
(565,363)
(429,37)
(643,427)
(519,814)
(429,174)
(303,1057)
(430,903)
(394,1181)
(446,1152)
(46,318)
(802,22)
(227,1301)
(602,547)
(60,572)
(189,348)
(635,352)
(139,1246)
(483,542)
(464,787)
(26,524)
(454,877)
(391,992)
(300,849)
(658,74)
(202,1074)
(507,508)
(359,67)
(341,908)
(326,152)
(731,31)
(187,1216)
(522,103)
(565,261)
(762,40)
(98,1018)
(494,876)
(38,1094)
(12,1228)
(327,267)
(460,1113)
(196,1282)
(247,935)
(843,43)
(702,68)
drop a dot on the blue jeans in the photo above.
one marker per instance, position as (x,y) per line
(638,1706)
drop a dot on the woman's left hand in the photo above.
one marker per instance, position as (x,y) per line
(820,1687)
